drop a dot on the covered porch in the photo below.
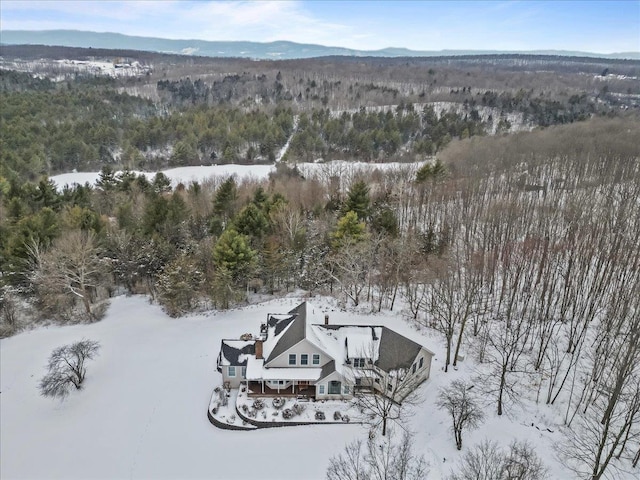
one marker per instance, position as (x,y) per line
(297,388)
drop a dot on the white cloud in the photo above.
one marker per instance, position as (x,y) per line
(262,21)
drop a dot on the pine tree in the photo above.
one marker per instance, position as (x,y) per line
(233,253)
(358,200)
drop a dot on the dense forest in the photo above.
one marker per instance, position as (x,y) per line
(511,229)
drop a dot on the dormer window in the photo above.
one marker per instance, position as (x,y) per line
(359,362)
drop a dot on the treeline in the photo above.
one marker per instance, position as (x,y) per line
(529,262)
(369,135)
(79,128)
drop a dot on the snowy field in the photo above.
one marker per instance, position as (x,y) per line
(142,412)
(259,172)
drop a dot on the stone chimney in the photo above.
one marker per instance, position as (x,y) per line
(326,319)
(258,347)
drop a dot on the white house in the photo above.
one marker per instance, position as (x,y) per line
(301,353)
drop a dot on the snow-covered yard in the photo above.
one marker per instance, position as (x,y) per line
(143,410)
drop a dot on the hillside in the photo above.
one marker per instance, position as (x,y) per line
(274,50)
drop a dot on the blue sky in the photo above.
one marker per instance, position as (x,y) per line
(590,26)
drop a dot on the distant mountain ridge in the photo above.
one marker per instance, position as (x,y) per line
(280,50)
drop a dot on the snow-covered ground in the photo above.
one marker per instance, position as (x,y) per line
(143,410)
(260,172)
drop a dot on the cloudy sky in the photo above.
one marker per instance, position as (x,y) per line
(590,26)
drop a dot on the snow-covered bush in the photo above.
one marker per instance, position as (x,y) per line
(337,416)
(258,404)
(287,413)
(320,415)
(298,408)
(278,402)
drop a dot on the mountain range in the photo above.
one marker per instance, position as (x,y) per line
(279,50)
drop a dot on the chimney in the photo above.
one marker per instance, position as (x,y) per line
(258,347)
(326,319)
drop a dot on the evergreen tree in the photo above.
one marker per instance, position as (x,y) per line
(179,286)
(358,200)
(233,253)
(252,222)
(224,202)
(348,231)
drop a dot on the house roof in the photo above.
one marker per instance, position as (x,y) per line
(294,333)
(328,369)
(389,350)
(396,351)
(235,352)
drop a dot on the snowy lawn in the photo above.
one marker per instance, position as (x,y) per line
(143,410)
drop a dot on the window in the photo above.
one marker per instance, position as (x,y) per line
(358,362)
(304,359)
(413,368)
(231,372)
(389,387)
(358,381)
(335,387)
(292,359)
(321,389)
(377,380)
(345,389)
(316,359)
(244,372)
(421,362)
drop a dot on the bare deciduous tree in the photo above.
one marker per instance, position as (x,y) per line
(66,368)
(72,268)
(380,460)
(465,412)
(487,461)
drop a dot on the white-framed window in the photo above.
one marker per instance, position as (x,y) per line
(413,368)
(421,362)
(304,359)
(232,371)
(292,359)
(316,359)
(358,362)
(345,389)
(321,389)
(244,372)
(335,387)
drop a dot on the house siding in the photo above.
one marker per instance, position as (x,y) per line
(325,382)
(299,348)
(234,382)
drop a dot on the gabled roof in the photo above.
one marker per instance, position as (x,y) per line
(234,352)
(396,351)
(389,350)
(328,369)
(295,332)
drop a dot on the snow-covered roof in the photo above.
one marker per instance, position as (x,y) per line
(236,352)
(387,349)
